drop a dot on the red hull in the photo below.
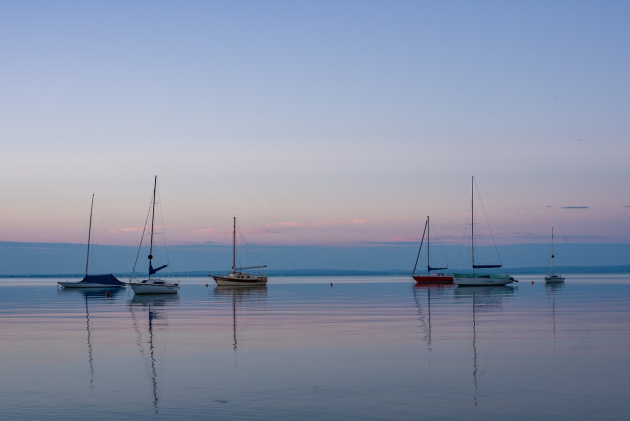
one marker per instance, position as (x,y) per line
(433,279)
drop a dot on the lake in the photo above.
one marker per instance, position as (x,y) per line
(373,348)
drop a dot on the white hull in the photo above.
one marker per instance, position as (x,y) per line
(251,282)
(482,281)
(150,288)
(87,285)
(554,279)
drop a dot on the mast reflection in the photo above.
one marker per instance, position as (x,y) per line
(484,300)
(91,294)
(551,289)
(155,304)
(434,290)
(240,295)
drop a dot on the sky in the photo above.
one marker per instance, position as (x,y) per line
(328,123)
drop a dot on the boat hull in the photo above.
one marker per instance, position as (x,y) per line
(155,288)
(87,285)
(228,281)
(433,279)
(554,279)
(482,280)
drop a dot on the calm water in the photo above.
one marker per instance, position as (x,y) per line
(365,348)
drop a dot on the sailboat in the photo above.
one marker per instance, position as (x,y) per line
(552,277)
(93,281)
(429,278)
(238,278)
(153,285)
(476,279)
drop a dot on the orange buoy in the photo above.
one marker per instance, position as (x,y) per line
(331,284)
(107,294)
(532,282)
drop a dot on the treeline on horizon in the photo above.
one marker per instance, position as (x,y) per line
(336,272)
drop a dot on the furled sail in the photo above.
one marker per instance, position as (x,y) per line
(154,271)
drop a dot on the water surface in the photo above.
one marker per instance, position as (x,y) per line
(371,348)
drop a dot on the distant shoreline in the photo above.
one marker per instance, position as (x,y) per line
(340,272)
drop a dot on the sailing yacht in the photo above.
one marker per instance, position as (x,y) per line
(93,281)
(429,278)
(477,279)
(552,277)
(238,278)
(152,285)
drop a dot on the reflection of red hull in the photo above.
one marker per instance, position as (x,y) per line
(433,279)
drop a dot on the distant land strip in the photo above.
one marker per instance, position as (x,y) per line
(340,272)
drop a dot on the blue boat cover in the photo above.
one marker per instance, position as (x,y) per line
(102,279)
(154,271)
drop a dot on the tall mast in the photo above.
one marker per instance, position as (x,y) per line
(552,250)
(428,244)
(152,222)
(472,222)
(234,247)
(87,261)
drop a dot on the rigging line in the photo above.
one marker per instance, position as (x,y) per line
(111,248)
(246,243)
(420,249)
(141,239)
(461,244)
(216,255)
(439,243)
(76,253)
(487,222)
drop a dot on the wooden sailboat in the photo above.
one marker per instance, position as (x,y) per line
(93,281)
(153,285)
(429,278)
(552,277)
(477,279)
(237,277)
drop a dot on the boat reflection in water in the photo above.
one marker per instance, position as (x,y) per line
(435,290)
(156,306)
(483,300)
(241,295)
(91,294)
(552,289)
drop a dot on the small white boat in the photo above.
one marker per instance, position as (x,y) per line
(477,279)
(238,278)
(93,281)
(153,285)
(553,278)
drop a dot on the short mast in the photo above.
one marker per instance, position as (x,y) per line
(87,260)
(152,224)
(234,247)
(428,245)
(472,222)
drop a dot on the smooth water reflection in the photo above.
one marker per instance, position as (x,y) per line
(379,350)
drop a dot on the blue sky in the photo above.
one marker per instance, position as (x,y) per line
(321,123)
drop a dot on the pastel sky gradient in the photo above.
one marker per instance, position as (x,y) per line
(323,122)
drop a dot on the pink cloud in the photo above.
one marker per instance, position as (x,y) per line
(204,231)
(133,229)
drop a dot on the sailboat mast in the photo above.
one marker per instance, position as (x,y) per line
(428,245)
(152,222)
(234,247)
(87,260)
(472,222)
(552,256)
